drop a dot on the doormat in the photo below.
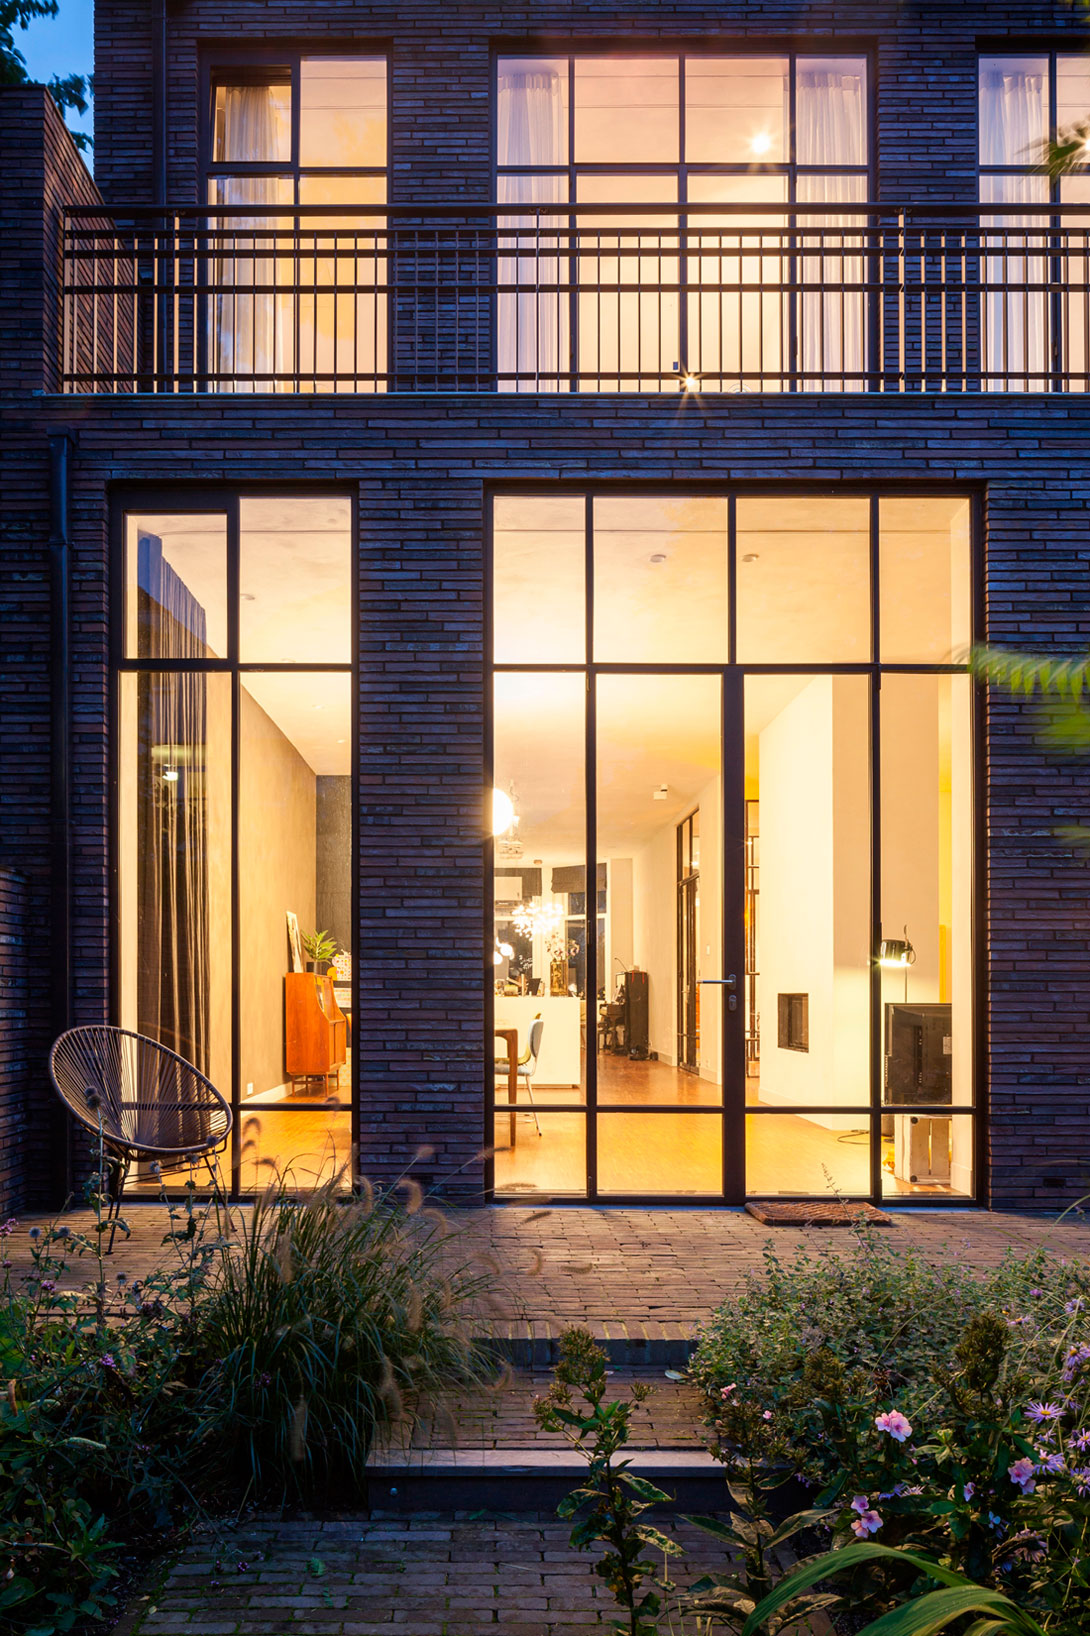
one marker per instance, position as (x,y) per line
(818,1213)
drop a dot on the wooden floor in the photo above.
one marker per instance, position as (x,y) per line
(680,1153)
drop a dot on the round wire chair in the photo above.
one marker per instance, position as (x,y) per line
(144,1100)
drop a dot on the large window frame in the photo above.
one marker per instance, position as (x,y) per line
(563,249)
(734,1109)
(223,500)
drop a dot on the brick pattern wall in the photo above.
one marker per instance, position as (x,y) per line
(14,1086)
(422,466)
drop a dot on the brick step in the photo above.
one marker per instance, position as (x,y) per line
(530,1480)
(536,1344)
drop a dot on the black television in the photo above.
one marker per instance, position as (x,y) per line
(919,1057)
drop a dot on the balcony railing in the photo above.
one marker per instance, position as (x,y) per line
(602,298)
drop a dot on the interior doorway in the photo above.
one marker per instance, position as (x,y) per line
(688,943)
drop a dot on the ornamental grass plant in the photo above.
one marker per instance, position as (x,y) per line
(259,1362)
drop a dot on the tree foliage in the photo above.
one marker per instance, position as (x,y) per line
(69,91)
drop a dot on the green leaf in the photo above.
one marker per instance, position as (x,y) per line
(712,1525)
(801,1519)
(925,1615)
(839,1561)
(641,1487)
(659,1541)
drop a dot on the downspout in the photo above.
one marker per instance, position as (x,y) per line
(60,704)
(159,100)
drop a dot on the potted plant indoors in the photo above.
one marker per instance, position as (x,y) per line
(320,949)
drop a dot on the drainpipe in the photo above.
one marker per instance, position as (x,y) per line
(60,952)
(159,100)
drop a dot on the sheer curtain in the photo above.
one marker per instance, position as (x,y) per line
(532,323)
(173,892)
(1013,126)
(251,334)
(830,110)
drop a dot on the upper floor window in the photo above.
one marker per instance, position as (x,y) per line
(591,300)
(300,302)
(310,132)
(1033,338)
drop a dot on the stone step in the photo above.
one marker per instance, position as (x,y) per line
(517,1481)
(535,1344)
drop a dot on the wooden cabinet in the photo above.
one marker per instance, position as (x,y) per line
(314,1028)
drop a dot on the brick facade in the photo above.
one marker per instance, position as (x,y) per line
(14,1074)
(422,465)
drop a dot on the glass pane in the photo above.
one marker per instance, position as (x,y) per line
(660,580)
(659,760)
(295,580)
(342,111)
(832,308)
(824,1155)
(1013,109)
(927,888)
(736,110)
(251,328)
(660,1153)
(308,1149)
(542,1153)
(539,886)
(252,124)
(1015,318)
(532,111)
(1074,281)
(295,854)
(831,111)
(342,330)
(175,586)
(1072,90)
(533,318)
(803,580)
(539,579)
(738,323)
(174,862)
(924,580)
(807,771)
(926,1155)
(628,337)
(626,110)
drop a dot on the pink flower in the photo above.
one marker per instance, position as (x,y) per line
(866,1521)
(895,1424)
(968,1491)
(1021,1474)
(725,1391)
(767,1415)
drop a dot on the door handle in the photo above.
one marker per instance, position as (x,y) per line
(723,982)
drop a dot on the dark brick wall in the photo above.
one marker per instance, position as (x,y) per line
(14,1088)
(422,465)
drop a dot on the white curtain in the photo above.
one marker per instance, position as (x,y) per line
(532,321)
(831,130)
(1013,123)
(251,333)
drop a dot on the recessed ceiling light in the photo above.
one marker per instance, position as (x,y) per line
(247,596)
(751,556)
(342,741)
(658,556)
(317,707)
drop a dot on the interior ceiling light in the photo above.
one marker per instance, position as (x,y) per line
(760,143)
(751,556)
(661,793)
(170,775)
(247,596)
(658,556)
(503,811)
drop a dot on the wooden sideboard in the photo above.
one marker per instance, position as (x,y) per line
(314,1028)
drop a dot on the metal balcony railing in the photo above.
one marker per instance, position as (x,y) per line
(602,298)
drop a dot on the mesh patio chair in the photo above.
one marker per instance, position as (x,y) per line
(147,1102)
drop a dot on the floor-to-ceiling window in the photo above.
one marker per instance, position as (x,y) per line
(1035,320)
(746,718)
(234,810)
(300,306)
(591,300)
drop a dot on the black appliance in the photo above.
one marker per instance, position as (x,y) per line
(918,1051)
(624,1021)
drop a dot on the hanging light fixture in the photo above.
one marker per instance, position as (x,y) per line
(501,952)
(897,954)
(538,918)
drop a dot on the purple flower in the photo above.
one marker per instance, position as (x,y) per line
(895,1424)
(968,1491)
(9,1227)
(108,1361)
(1080,1442)
(866,1521)
(1040,1412)
(1036,1292)
(1052,1462)
(1075,1305)
(1027,1546)
(1081,1477)
(1021,1474)
(1075,1362)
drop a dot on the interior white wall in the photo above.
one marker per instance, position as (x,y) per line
(814,909)
(710,929)
(654,935)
